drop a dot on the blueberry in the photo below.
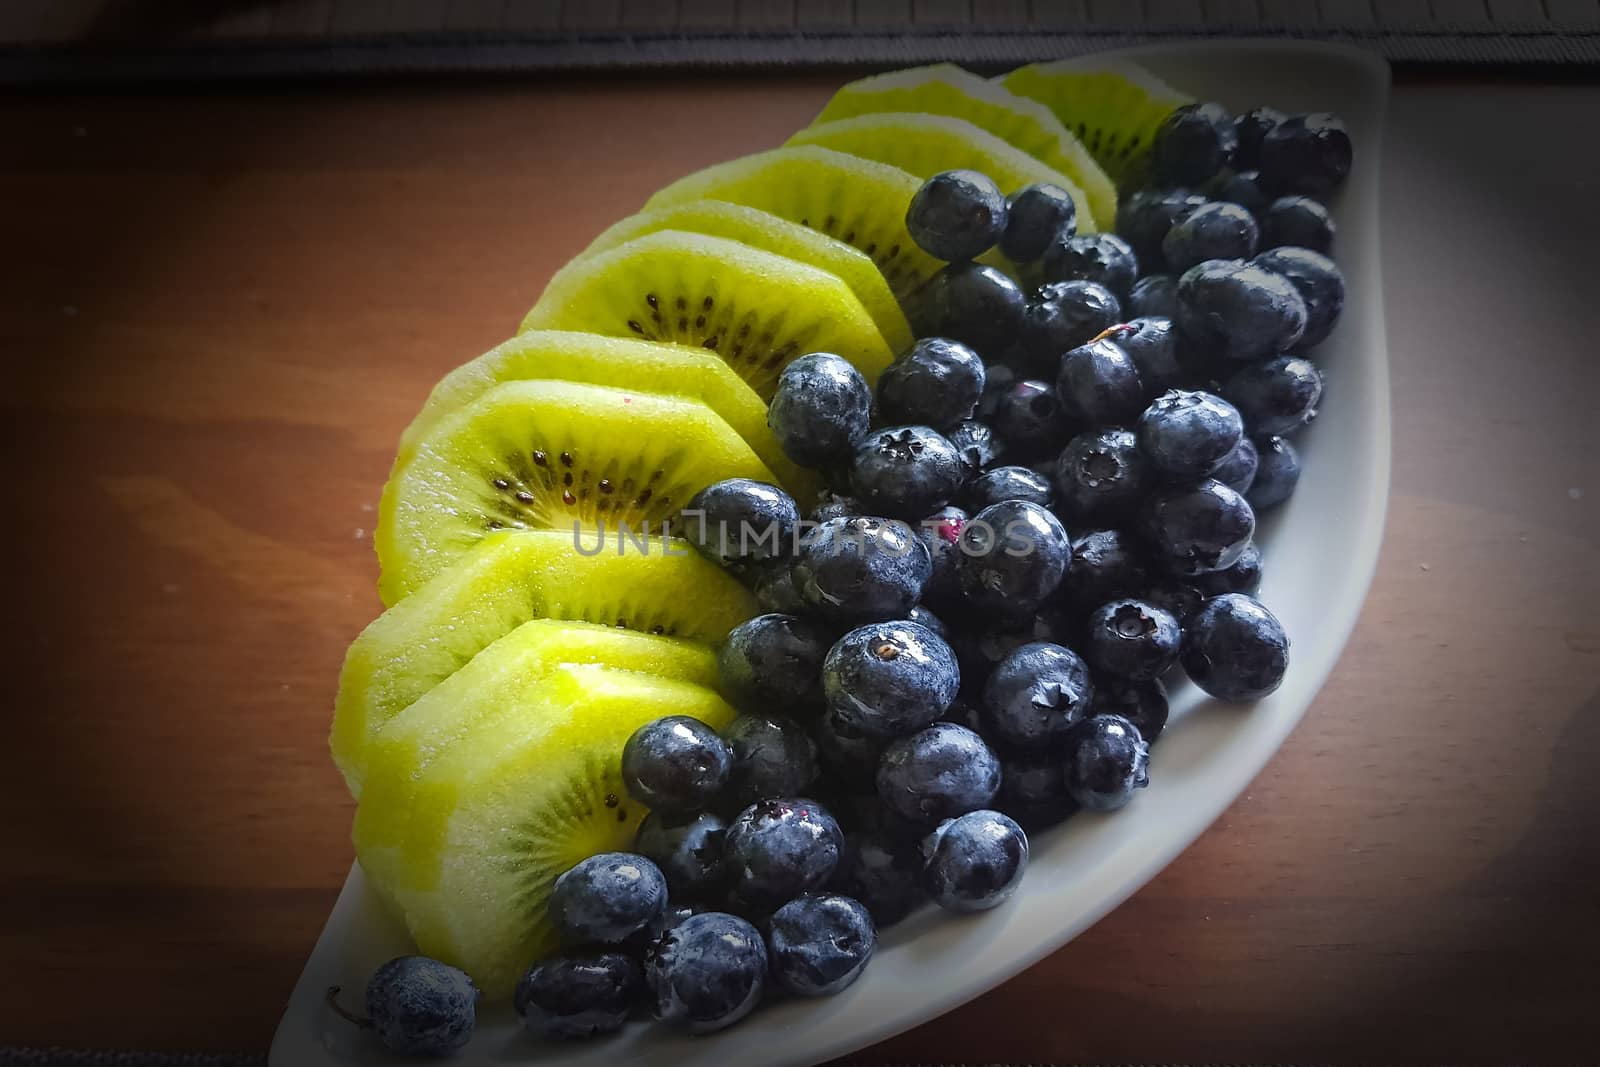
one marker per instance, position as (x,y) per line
(936,382)
(675,764)
(1197,528)
(988,640)
(937,773)
(1319,283)
(1277,473)
(1299,222)
(849,755)
(925,618)
(1144,217)
(906,472)
(1250,128)
(1241,187)
(1106,761)
(977,445)
(773,586)
(1308,154)
(1180,598)
(975,862)
(998,380)
(1036,694)
(1192,144)
(862,568)
(940,533)
(1217,231)
(740,520)
(820,943)
(1105,566)
(1152,344)
(890,678)
(957,215)
(1029,419)
(821,410)
(1013,555)
(1101,476)
(1154,296)
(708,973)
(1238,310)
(1098,383)
(580,995)
(884,872)
(1007,483)
(772,756)
(782,847)
(1142,703)
(607,898)
(1033,789)
(1242,576)
(1060,317)
(772,662)
(1276,397)
(1238,470)
(1235,649)
(1036,215)
(417,1007)
(972,303)
(687,849)
(832,505)
(1187,434)
(1094,257)
(1133,639)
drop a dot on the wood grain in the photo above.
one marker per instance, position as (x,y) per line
(219,312)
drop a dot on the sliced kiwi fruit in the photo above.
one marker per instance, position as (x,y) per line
(946,89)
(756,310)
(673,370)
(545,454)
(764,230)
(506,580)
(1112,105)
(497,816)
(848,198)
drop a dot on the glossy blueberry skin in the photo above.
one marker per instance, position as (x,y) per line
(1319,283)
(1276,397)
(1241,187)
(1152,343)
(884,872)
(1298,222)
(862,568)
(834,505)
(717,517)
(1307,154)
(607,898)
(1101,476)
(940,534)
(1238,310)
(957,215)
(1144,217)
(821,410)
(1277,473)
(937,773)
(973,303)
(1243,576)
(1235,649)
(1181,598)
(1098,384)
(677,763)
(936,382)
(1192,144)
(687,848)
(1238,470)
(889,678)
(1142,703)
(774,588)
(421,1007)
(1007,483)
(1093,257)
(1133,639)
(772,756)
(1186,434)
(974,862)
(924,617)
(998,380)
(1013,555)
(977,444)
(1154,296)
(849,756)
(1033,789)
(781,847)
(1060,317)
(707,973)
(772,663)
(1250,128)
(1106,564)
(984,643)
(905,472)
(820,943)
(1220,230)
(1029,419)
(1036,694)
(580,995)
(1107,760)
(1037,215)
(1197,528)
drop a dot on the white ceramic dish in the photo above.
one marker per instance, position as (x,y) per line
(931,963)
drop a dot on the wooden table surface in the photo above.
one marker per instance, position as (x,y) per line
(220,310)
